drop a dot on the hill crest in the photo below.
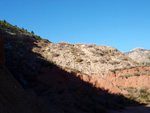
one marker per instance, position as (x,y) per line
(140,55)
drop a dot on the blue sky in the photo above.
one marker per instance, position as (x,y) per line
(124,24)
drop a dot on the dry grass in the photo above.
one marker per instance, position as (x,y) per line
(78,59)
(139,95)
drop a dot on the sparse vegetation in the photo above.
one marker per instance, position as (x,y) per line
(138,95)
(129,75)
(93,58)
(69,86)
(46,40)
(146,63)
(110,51)
(78,59)
(55,55)
(115,62)
(74,70)
(90,45)
(5,24)
(135,74)
(97,52)
(75,51)
(32,32)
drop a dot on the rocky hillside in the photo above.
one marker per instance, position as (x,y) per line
(140,55)
(35,85)
(86,58)
(14,98)
(35,77)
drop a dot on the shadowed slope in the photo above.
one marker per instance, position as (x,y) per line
(13,98)
(54,86)
(2,54)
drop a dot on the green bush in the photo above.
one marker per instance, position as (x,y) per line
(5,24)
(32,32)
(110,51)
(46,40)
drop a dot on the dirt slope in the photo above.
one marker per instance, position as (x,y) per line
(13,98)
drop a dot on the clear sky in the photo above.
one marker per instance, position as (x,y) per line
(124,24)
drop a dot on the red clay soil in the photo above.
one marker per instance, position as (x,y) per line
(109,83)
(138,78)
(111,80)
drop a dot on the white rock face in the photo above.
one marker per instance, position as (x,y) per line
(140,55)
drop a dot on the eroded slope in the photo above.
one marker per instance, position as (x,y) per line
(86,58)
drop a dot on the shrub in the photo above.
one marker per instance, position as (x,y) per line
(38,37)
(46,40)
(110,51)
(78,59)
(55,55)
(49,50)
(90,45)
(22,28)
(32,32)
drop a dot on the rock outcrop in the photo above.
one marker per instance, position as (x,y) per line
(140,55)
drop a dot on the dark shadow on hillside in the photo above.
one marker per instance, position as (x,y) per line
(64,89)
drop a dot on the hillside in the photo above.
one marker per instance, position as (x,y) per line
(51,76)
(13,97)
(140,55)
(86,58)
(38,86)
